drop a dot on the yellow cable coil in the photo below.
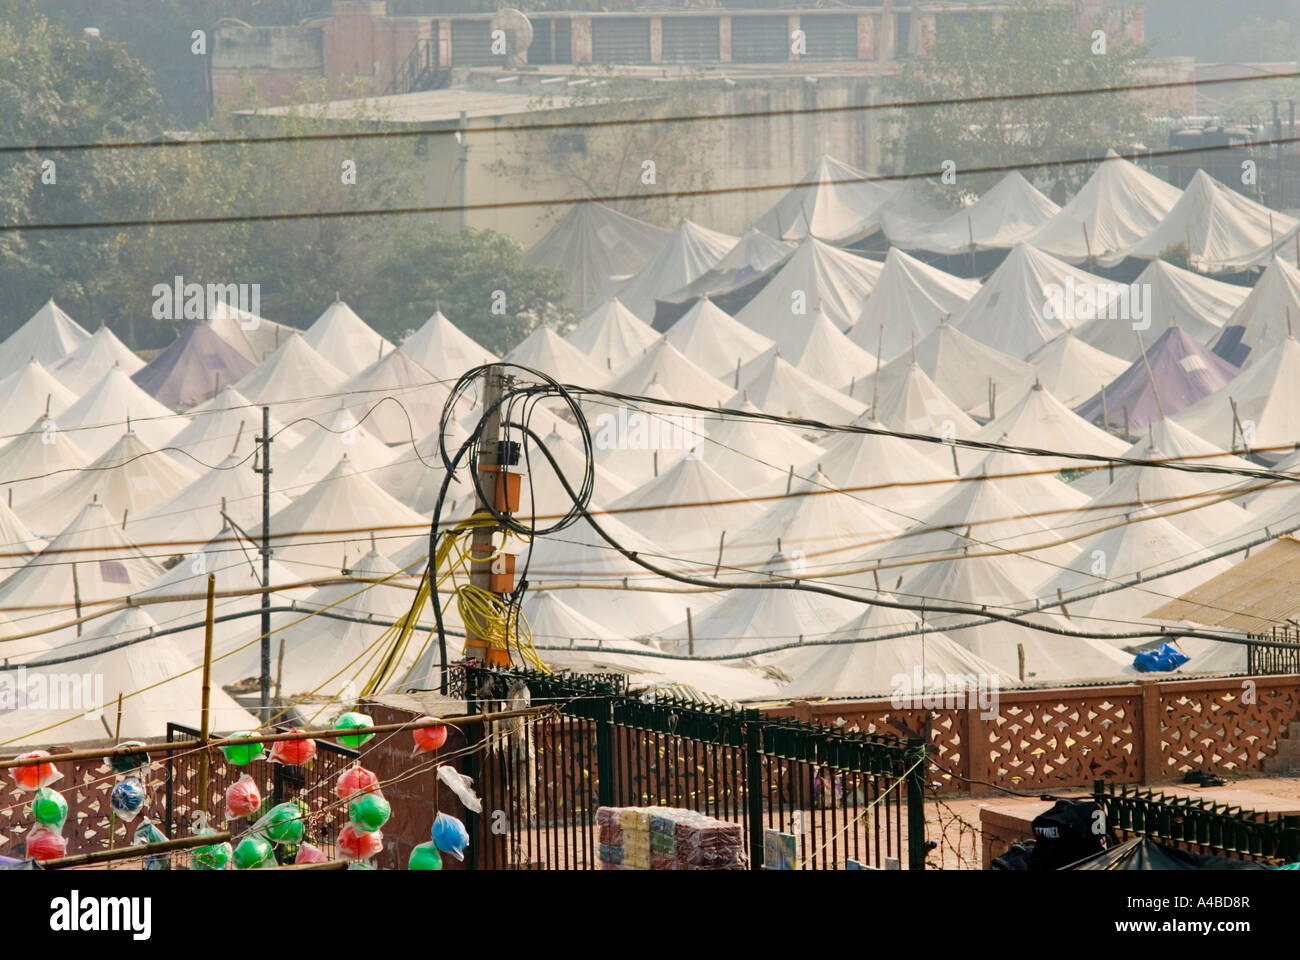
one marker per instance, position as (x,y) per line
(483,613)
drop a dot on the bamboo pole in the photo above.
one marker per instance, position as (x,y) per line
(328,733)
(205,717)
(142,850)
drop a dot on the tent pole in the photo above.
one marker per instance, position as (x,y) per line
(205,717)
(264,684)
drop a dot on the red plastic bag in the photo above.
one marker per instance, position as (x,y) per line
(428,739)
(293,752)
(243,799)
(356,780)
(360,846)
(310,853)
(38,774)
(45,844)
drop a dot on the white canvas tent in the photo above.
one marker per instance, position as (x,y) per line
(345,340)
(971,374)
(31,391)
(689,252)
(1072,370)
(821,350)
(1196,303)
(1266,396)
(37,462)
(815,275)
(834,203)
(17,542)
(1040,420)
(879,666)
(338,434)
(96,421)
(417,398)
(903,477)
(664,366)
(1119,205)
(1219,228)
(86,365)
(294,371)
(128,478)
(1004,216)
(597,248)
(49,335)
(715,341)
(775,386)
(755,455)
(754,253)
(1176,442)
(443,349)
(915,404)
(1013,312)
(547,351)
(611,335)
(227,424)
(1267,315)
(253,336)
(909,300)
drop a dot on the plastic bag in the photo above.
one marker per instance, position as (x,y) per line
(242,754)
(253,853)
(146,833)
(127,798)
(128,762)
(425,856)
(428,739)
(284,824)
(310,853)
(49,808)
(356,780)
(243,798)
(354,721)
(360,846)
(216,856)
(369,812)
(294,753)
(460,785)
(450,835)
(36,775)
(45,843)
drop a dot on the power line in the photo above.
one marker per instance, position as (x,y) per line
(637,121)
(605,199)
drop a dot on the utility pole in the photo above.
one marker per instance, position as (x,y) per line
(497,483)
(265,471)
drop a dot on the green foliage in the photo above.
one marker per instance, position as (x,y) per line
(459,272)
(1032,47)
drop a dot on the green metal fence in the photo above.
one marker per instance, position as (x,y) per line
(1202,825)
(844,796)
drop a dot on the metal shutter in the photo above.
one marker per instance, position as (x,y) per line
(471,44)
(830,36)
(760,39)
(563,41)
(539,51)
(691,39)
(620,40)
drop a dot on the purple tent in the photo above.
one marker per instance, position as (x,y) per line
(195,367)
(1184,370)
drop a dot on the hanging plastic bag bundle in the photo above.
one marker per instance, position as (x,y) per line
(310,853)
(124,763)
(216,856)
(369,811)
(284,824)
(356,780)
(425,856)
(36,775)
(354,721)
(428,739)
(294,753)
(45,843)
(242,754)
(127,798)
(243,799)
(49,808)
(147,833)
(450,835)
(253,853)
(360,846)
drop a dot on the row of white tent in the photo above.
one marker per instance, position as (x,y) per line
(110,493)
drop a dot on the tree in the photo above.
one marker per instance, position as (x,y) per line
(478,278)
(1033,46)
